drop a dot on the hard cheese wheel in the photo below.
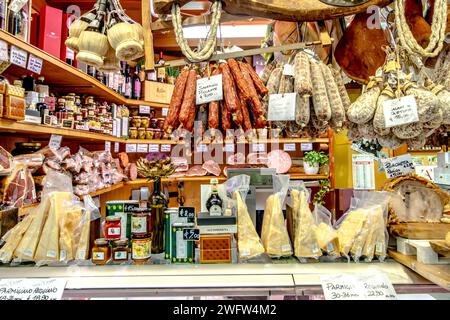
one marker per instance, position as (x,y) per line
(279,160)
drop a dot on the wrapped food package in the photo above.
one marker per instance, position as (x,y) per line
(326,235)
(5,161)
(14,237)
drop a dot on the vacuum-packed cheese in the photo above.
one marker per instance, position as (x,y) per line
(14,237)
(68,222)
(327,239)
(350,229)
(81,237)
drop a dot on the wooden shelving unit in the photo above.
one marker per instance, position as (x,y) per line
(63,77)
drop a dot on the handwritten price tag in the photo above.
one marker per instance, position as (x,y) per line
(130,147)
(229,148)
(153,148)
(202,148)
(400,111)
(186,212)
(209,89)
(34,64)
(164,112)
(306,146)
(191,234)
(32,289)
(142,147)
(108,146)
(55,141)
(18,57)
(258,147)
(289,147)
(116,147)
(3,51)
(144,109)
(398,166)
(165,148)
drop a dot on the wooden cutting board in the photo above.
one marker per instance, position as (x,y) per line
(440,247)
(420,231)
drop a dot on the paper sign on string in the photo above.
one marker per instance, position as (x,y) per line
(32,289)
(130,147)
(398,166)
(35,64)
(209,89)
(18,57)
(400,111)
(282,107)
(55,141)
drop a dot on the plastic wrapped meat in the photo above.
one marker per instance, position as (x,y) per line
(237,158)
(53,164)
(102,156)
(5,161)
(82,178)
(131,171)
(257,158)
(180,163)
(19,188)
(87,163)
(196,171)
(279,160)
(32,161)
(124,161)
(178,175)
(81,189)
(212,167)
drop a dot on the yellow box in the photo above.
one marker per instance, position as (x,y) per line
(158,92)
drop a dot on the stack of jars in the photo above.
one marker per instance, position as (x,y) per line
(143,127)
(115,247)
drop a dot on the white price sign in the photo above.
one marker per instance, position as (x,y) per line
(144,109)
(229,148)
(400,111)
(164,111)
(398,166)
(3,51)
(165,148)
(18,57)
(367,286)
(116,147)
(108,146)
(282,107)
(55,141)
(142,147)
(34,64)
(306,147)
(209,89)
(289,147)
(363,171)
(32,289)
(153,148)
(130,147)
(288,70)
(202,148)
(258,147)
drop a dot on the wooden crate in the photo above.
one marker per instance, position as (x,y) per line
(158,92)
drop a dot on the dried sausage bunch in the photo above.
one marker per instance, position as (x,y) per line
(322,98)
(367,119)
(241,107)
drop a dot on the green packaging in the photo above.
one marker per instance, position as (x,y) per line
(124,209)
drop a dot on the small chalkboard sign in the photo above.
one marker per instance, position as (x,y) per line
(191,234)
(186,212)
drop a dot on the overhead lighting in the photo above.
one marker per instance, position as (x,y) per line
(227,31)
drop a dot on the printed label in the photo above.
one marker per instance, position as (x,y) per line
(164,112)
(215,210)
(113,231)
(285,248)
(306,146)
(144,109)
(120,255)
(153,148)
(108,146)
(51,253)
(258,147)
(3,51)
(130,147)
(98,256)
(62,255)
(140,250)
(142,147)
(181,246)
(138,224)
(289,147)
(229,148)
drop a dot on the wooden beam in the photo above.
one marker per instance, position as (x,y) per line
(148,36)
(246,53)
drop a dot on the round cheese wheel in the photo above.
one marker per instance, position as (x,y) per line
(279,160)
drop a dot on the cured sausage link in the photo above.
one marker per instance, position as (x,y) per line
(213,112)
(255,103)
(229,90)
(176,100)
(226,123)
(188,99)
(257,82)
(241,83)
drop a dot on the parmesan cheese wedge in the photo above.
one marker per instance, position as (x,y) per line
(81,238)
(14,237)
(350,229)
(27,246)
(68,222)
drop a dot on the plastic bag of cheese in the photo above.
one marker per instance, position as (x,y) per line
(325,233)
(274,233)
(362,230)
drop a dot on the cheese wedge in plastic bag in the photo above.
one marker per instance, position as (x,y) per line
(326,235)
(274,235)
(13,238)
(68,223)
(350,229)
(249,244)
(305,245)
(48,247)
(81,234)
(376,228)
(26,249)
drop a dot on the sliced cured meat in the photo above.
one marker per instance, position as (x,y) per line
(237,158)
(257,158)
(279,160)
(212,167)
(124,161)
(180,163)
(5,160)
(196,171)
(131,171)
(178,175)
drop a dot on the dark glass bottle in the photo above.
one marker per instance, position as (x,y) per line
(214,204)
(136,85)
(158,204)
(28,83)
(127,93)
(90,70)
(161,72)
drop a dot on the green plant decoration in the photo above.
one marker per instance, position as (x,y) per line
(314,157)
(172,72)
(325,187)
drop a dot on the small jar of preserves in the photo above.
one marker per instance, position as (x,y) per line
(78,116)
(148,133)
(84,112)
(160,123)
(100,251)
(133,133)
(136,121)
(102,110)
(154,123)
(89,100)
(140,248)
(91,111)
(145,122)
(157,134)
(120,251)
(140,222)
(112,227)
(141,133)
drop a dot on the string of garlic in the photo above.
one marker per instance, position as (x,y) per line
(210,44)
(438,26)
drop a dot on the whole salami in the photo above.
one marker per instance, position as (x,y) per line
(303,83)
(321,103)
(247,123)
(241,83)
(267,71)
(254,101)
(188,98)
(226,123)
(229,89)
(257,82)
(176,100)
(273,84)
(337,108)
(213,112)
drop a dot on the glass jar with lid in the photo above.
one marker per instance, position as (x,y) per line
(141,249)
(113,227)
(140,222)
(136,121)
(120,250)
(141,133)
(100,251)
(145,122)
(133,133)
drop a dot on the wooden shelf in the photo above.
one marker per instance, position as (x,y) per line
(106,190)
(136,103)
(424,151)
(41,130)
(301,176)
(65,78)
(268,141)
